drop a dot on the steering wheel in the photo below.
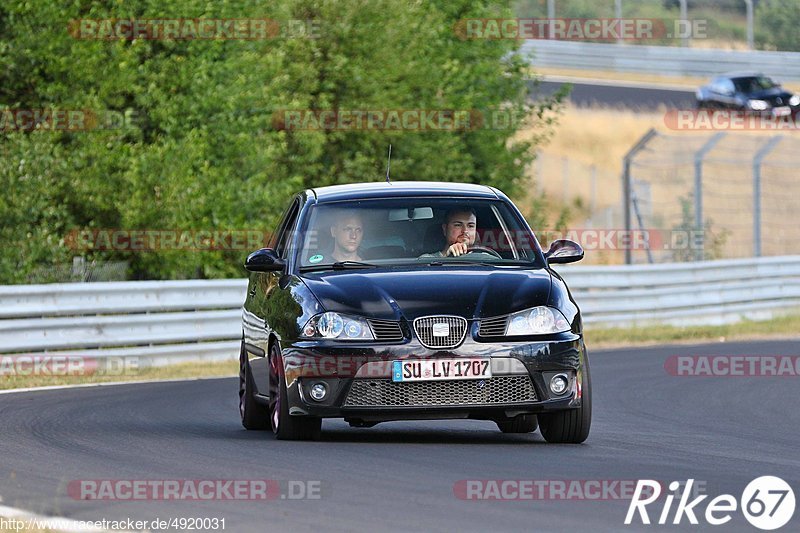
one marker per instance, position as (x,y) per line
(483,249)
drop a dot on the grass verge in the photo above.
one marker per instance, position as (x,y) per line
(781,327)
(181,370)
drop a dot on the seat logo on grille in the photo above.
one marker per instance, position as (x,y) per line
(441,329)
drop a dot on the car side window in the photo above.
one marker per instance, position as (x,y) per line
(727,87)
(286,230)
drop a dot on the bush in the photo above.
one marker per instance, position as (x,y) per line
(199,148)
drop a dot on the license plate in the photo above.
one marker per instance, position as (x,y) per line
(781,111)
(440,369)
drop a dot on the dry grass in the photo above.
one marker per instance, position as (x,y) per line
(671,81)
(181,370)
(785,327)
(600,137)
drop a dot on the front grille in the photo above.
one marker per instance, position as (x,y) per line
(428,329)
(493,327)
(386,330)
(499,390)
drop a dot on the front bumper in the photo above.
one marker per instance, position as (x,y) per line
(359,385)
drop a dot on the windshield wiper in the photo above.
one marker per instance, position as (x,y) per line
(341,265)
(338,265)
(483,263)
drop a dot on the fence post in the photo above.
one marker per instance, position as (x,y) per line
(627,185)
(750,23)
(551,15)
(618,13)
(759,157)
(698,189)
(684,17)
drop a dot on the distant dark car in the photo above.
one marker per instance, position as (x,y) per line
(408,331)
(749,93)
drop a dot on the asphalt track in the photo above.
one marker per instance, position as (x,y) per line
(722,431)
(638,97)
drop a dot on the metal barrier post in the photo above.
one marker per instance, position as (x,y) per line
(698,189)
(759,157)
(627,184)
(749,4)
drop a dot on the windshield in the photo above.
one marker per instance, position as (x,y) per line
(753,84)
(365,233)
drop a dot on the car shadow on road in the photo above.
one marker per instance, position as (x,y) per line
(399,434)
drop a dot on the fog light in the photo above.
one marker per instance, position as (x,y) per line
(318,391)
(559,384)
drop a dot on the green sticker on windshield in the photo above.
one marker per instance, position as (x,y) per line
(315,258)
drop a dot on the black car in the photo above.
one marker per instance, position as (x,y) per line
(411,300)
(749,93)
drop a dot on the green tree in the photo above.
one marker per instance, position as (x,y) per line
(777,22)
(199,148)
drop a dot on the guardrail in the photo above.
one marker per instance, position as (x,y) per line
(170,321)
(163,321)
(681,294)
(666,60)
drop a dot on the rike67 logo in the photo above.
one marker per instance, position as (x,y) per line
(767,503)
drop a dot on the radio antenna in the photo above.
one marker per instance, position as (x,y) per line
(389,164)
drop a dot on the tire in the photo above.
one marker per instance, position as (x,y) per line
(572,425)
(284,426)
(254,415)
(519,424)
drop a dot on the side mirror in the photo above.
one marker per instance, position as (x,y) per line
(564,251)
(264,260)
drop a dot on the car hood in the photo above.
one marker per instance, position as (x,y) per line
(471,292)
(768,94)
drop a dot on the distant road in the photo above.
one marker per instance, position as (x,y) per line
(619,94)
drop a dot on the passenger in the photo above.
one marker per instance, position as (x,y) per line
(347,232)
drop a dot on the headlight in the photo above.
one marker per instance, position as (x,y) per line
(537,321)
(335,326)
(757,105)
(794,100)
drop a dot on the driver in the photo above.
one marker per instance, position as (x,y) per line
(459,232)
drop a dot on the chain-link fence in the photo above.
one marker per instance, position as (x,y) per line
(590,198)
(690,197)
(735,194)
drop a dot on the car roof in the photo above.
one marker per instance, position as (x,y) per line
(395,189)
(734,75)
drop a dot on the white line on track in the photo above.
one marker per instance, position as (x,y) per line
(65,524)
